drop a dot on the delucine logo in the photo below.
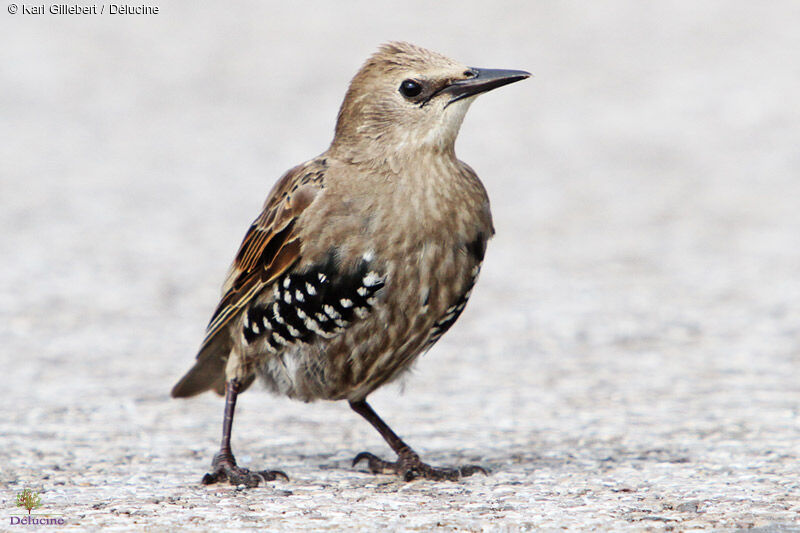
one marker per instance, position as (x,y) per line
(30,500)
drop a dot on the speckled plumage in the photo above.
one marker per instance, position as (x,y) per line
(364,256)
(424,261)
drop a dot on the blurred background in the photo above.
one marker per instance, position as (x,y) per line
(632,346)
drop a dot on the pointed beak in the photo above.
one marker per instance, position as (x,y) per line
(484,79)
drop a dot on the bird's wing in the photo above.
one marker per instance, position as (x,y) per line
(269,248)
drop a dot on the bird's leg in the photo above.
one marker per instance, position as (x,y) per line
(408,465)
(224,464)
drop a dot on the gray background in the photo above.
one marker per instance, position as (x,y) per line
(628,360)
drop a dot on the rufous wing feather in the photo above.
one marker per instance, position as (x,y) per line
(270,247)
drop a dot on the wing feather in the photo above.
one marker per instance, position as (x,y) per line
(270,247)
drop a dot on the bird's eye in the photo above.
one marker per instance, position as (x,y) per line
(410,88)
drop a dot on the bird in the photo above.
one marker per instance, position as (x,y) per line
(361,259)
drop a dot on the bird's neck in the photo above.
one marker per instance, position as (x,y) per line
(395,156)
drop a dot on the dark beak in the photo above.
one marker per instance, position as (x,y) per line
(484,79)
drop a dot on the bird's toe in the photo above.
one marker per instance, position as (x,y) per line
(411,467)
(375,464)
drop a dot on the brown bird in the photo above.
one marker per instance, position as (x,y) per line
(361,259)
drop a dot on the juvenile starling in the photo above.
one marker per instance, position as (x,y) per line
(361,259)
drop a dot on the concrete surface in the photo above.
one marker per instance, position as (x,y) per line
(629,359)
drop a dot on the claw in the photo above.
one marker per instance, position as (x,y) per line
(362,456)
(375,464)
(468,470)
(210,479)
(271,475)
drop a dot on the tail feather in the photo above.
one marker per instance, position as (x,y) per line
(209,370)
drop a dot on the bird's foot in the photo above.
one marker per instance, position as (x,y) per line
(409,467)
(224,468)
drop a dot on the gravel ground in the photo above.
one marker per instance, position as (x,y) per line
(629,359)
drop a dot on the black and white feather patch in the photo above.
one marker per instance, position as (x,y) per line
(452,313)
(319,302)
(476,249)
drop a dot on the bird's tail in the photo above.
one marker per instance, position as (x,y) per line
(209,370)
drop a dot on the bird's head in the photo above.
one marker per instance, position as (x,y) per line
(406,98)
